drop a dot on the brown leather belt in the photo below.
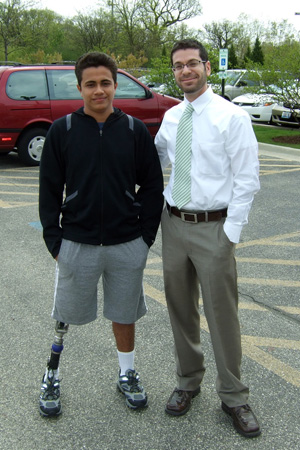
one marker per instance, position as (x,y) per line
(189,216)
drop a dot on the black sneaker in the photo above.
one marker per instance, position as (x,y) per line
(129,385)
(50,395)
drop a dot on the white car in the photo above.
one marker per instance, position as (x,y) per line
(258,106)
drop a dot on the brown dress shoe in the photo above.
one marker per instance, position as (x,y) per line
(244,420)
(180,401)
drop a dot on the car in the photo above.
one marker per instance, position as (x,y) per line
(32,97)
(258,106)
(237,81)
(286,113)
(160,88)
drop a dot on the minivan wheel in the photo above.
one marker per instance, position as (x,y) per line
(31,146)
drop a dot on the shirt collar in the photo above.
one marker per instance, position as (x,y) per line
(200,103)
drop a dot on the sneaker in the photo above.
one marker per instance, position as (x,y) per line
(50,395)
(129,385)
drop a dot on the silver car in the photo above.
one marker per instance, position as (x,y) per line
(237,81)
(286,113)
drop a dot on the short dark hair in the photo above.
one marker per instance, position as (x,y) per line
(184,44)
(95,59)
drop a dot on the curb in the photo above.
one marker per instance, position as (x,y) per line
(279,151)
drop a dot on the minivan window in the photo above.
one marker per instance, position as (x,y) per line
(63,85)
(127,88)
(27,85)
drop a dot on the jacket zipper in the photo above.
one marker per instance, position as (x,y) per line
(101,185)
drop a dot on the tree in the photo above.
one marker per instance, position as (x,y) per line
(247,56)
(91,31)
(43,30)
(242,34)
(279,32)
(164,13)
(280,74)
(220,34)
(226,34)
(124,17)
(71,47)
(11,25)
(147,25)
(157,16)
(232,58)
(257,55)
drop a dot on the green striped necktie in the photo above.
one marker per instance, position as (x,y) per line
(181,192)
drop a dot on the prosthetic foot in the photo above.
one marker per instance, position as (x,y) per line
(49,402)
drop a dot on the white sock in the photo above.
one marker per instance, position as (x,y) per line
(126,361)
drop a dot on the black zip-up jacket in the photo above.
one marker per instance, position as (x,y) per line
(112,179)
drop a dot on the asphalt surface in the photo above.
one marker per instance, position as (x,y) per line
(94,413)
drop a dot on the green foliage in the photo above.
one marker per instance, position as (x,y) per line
(132,63)
(40,57)
(247,56)
(227,34)
(142,33)
(161,73)
(22,28)
(280,73)
(257,55)
(242,34)
(232,58)
(12,26)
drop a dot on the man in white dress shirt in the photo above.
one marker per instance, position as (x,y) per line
(199,236)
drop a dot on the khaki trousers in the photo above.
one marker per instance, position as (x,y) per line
(193,254)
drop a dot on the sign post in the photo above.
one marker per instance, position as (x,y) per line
(223,65)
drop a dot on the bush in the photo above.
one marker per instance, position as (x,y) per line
(161,73)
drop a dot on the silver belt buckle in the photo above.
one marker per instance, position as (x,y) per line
(183,214)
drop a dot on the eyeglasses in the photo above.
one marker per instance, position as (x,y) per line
(190,65)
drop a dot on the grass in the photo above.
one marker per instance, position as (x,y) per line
(265,134)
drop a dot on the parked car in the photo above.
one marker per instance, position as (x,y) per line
(258,106)
(237,81)
(286,113)
(154,86)
(32,97)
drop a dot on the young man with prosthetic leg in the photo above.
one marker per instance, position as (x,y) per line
(100,205)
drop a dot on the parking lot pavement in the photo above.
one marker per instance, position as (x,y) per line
(94,413)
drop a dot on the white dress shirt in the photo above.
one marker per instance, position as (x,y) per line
(225,167)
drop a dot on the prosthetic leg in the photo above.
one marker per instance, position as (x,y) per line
(50,404)
(57,346)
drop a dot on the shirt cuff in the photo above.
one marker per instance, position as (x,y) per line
(233,232)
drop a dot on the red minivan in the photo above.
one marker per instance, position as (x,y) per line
(32,97)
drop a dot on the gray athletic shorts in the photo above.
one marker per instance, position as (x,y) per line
(78,270)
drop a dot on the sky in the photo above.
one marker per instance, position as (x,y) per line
(263,10)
